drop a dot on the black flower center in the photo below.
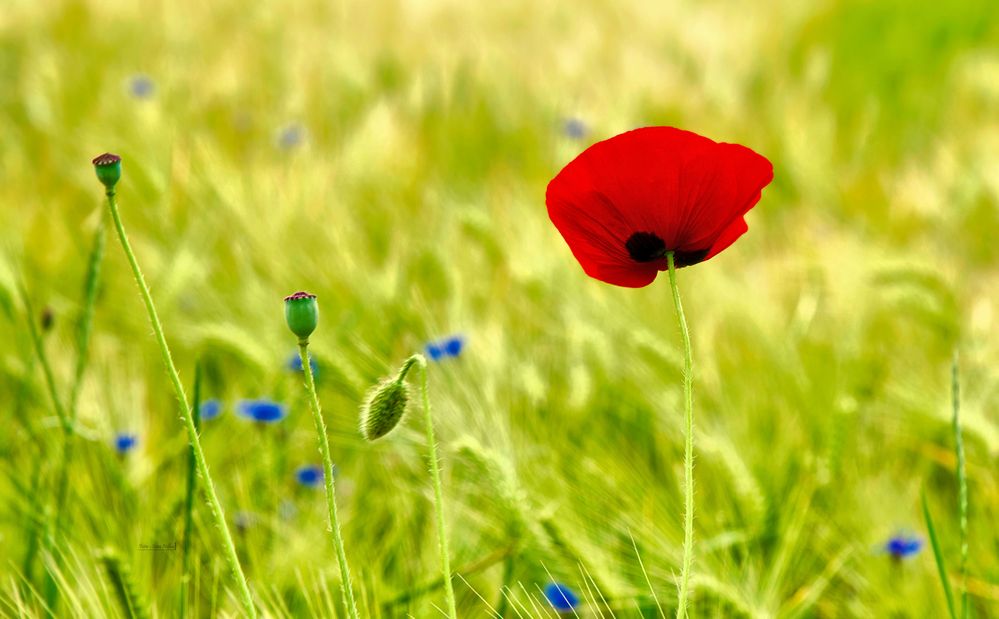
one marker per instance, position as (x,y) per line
(647,247)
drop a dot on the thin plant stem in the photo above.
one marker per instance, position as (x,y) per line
(962,484)
(508,566)
(50,588)
(435,473)
(938,557)
(246,598)
(192,482)
(324,450)
(502,554)
(688,452)
(87,319)
(36,339)
(82,358)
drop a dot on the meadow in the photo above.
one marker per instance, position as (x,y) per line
(392,158)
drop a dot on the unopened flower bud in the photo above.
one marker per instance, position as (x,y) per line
(384,409)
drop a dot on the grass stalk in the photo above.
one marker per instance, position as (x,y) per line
(36,340)
(133,604)
(82,358)
(49,531)
(502,554)
(962,483)
(938,556)
(192,482)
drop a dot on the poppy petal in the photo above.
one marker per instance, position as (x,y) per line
(623,202)
(596,234)
(723,185)
(728,236)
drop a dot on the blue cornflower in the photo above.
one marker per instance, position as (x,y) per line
(902,546)
(310,475)
(141,86)
(210,409)
(575,128)
(263,411)
(125,442)
(561,597)
(291,136)
(295,363)
(450,347)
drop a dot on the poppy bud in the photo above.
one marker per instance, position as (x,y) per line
(302,313)
(108,168)
(384,409)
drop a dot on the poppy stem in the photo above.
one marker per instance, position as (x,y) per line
(688,452)
(324,450)
(215,506)
(435,473)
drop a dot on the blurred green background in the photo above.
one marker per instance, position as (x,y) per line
(392,158)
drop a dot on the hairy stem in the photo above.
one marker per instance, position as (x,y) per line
(688,452)
(435,473)
(246,598)
(324,450)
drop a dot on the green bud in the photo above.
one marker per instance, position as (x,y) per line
(108,168)
(302,313)
(384,409)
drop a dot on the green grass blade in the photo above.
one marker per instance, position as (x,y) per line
(119,573)
(962,484)
(192,481)
(938,555)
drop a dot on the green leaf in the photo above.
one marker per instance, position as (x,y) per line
(938,555)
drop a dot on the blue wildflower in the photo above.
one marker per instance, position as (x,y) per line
(561,597)
(434,351)
(902,546)
(291,136)
(449,347)
(453,345)
(575,128)
(263,411)
(125,442)
(141,86)
(310,475)
(295,363)
(210,409)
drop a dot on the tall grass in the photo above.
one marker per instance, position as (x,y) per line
(430,131)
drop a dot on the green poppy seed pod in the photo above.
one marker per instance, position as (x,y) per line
(108,168)
(384,409)
(302,313)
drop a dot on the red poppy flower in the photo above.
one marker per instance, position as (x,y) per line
(623,203)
